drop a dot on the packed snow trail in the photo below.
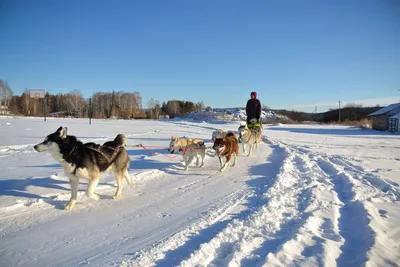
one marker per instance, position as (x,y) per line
(310,195)
(315,211)
(159,203)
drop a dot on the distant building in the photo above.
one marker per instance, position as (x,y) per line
(163,117)
(380,118)
(394,123)
(139,116)
(4,110)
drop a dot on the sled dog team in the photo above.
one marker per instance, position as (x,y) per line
(90,160)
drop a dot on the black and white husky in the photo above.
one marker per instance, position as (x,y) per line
(86,161)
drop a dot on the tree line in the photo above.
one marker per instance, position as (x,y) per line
(350,112)
(102,105)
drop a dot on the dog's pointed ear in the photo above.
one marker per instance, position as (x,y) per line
(172,137)
(59,129)
(63,133)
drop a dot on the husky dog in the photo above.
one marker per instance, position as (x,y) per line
(218,134)
(189,149)
(251,136)
(119,141)
(225,147)
(83,161)
(109,148)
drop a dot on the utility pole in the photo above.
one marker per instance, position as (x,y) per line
(90,111)
(339,111)
(44,107)
(314,114)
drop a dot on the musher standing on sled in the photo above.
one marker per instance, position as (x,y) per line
(253,110)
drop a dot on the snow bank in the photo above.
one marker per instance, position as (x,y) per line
(228,115)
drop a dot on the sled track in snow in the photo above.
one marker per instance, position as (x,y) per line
(312,207)
(294,207)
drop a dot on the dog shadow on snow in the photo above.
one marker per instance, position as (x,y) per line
(19,188)
(264,177)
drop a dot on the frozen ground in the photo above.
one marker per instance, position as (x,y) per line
(310,195)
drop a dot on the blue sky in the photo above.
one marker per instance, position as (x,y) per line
(295,54)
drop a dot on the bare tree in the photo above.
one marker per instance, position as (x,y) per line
(120,104)
(74,102)
(5,93)
(150,105)
(157,108)
(14,105)
(25,103)
(138,101)
(353,105)
(199,106)
(173,107)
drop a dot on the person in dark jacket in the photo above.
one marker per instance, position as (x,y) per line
(253,108)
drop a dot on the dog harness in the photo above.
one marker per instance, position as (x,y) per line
(252,125)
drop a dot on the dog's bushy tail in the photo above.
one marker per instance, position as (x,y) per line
(120,139)
(231,135)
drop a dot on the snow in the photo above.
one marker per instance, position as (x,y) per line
(310,195)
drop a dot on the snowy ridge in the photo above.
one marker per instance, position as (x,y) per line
(227,115)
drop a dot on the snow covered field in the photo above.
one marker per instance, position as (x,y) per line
(310,195)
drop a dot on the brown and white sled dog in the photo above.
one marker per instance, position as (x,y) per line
(189,149)
(218,134)
(86,161)
(226,147)
(251,137)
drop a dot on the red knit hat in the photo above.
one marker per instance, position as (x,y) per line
(253,93)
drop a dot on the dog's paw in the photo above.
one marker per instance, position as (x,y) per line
(116,196)
(70,205)
(94,196)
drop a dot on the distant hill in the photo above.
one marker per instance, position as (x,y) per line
(349,113)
